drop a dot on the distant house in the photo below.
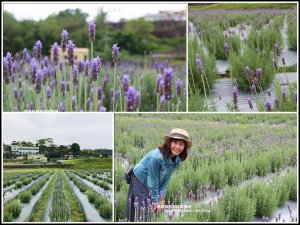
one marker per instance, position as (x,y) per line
(79,53)
(20,150)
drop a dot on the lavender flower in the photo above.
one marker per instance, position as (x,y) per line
(199,63)
(15,90)
(117,95)
(115,53)
(38,46)
(158,81)
(81,65)
(235,97)
(105,81)
(250,103)
(168,83)
(25,54)
(75,75)
(275,64)
(102,109)
(61,107)
(178,87)
(86,68)
(268,106)
(48,92)
(5,70)
(55,53)
(95,70)
(38,81)
(277,49)
(64,40)
(62,86)
(20,83)
(259,72)
(92,31)
(295,95)
(100,93)
(9,63)
(61,66)
(70,50)
(88,103)
(68,85)
(34,68)
(73,103)
(130,99)
(247,70)
(227,49)
(283,60)
(125,83)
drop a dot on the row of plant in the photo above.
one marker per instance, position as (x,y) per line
(99,174)
(254,199)
(94,181)
(10,178)
(13,208)
(37,214)
(104,206)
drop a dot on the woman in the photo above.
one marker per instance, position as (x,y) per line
(151,176)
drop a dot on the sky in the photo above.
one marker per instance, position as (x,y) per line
(89,130)
(116,11)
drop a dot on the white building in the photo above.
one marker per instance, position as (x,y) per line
(20,150)
(166,15)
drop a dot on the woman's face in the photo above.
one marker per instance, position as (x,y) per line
(177,147)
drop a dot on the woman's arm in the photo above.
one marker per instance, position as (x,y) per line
(153,177)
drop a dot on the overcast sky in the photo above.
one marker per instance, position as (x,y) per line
(89,130)
(116,11)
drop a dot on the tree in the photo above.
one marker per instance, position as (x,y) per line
(75,148)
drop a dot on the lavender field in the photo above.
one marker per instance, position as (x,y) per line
(243,59)
(41,195)
(241,168)
(63,82)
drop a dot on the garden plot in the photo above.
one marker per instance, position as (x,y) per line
(28,207)
(229,152)
(54,199)
(92,214)
(255,49)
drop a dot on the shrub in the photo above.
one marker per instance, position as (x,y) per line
(25,196)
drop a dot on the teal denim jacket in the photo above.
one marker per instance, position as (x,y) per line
(155,171)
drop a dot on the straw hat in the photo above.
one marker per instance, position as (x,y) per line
(178,133)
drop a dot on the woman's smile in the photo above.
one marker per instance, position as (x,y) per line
(177,147)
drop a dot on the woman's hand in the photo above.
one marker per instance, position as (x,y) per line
(159,207)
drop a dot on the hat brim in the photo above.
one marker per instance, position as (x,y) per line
(189,143)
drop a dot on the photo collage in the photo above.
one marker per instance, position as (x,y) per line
(149,112)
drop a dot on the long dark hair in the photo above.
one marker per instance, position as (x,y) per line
(165,149)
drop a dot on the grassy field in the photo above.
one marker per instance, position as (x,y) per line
(90,163)
(232,6)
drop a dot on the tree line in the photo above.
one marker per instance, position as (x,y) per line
(135,37)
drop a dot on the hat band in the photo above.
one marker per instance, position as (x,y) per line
(179,135)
